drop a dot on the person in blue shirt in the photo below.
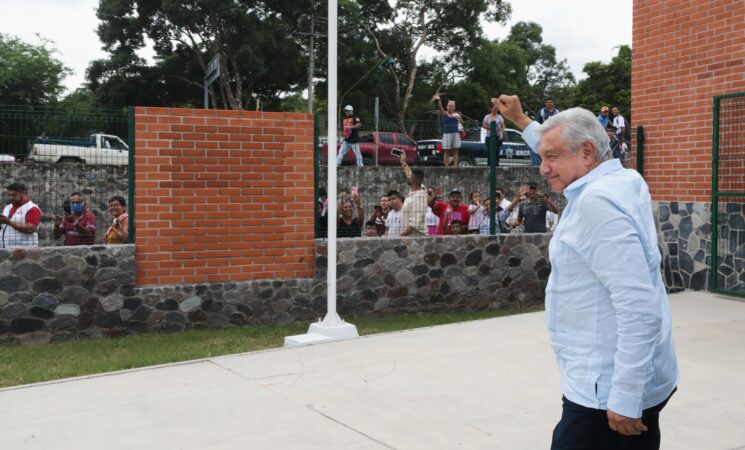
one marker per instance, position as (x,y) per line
(452,123)
(603,116)
(606,306)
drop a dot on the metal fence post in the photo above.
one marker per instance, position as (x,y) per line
(131,172)
(640,150)
(714,269)
(316,131)
(493,158)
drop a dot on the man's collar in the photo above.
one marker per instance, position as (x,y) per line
(21,203)
(573,190)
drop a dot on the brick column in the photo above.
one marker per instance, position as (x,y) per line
(684,53)
(223,195)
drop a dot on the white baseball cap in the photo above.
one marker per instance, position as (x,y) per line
(348,108)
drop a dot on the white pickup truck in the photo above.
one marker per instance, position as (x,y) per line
(99,149)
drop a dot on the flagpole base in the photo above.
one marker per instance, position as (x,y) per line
(329,330)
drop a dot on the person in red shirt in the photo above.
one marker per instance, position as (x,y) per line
(79,225)
(448,212)
(20,219)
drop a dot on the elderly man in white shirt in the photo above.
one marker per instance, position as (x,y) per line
(606,306)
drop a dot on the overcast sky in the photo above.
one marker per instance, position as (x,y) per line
(581,30)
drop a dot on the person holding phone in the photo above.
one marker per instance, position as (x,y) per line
(494,116)
(20,219)
(79,225)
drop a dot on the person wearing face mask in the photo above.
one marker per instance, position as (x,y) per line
(414,211)
(20,219)
(79,225)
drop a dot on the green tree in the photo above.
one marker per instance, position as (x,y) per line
(398,33)
(259,56)
(521,64)
(606,84)
(30,74)
(546,76)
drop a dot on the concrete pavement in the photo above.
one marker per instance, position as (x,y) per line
(477,385)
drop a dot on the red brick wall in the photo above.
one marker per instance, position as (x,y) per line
(223,195)
(685,52)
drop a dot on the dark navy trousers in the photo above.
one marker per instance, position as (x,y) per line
(582,428)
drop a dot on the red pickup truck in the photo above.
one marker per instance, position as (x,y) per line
(382,142)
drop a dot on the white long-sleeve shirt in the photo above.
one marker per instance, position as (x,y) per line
(606,306)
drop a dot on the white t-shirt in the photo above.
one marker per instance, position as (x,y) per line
(393,224)
(487,121)
(619,122)
(476,216)
(552,220)
(505,204)
(432,219)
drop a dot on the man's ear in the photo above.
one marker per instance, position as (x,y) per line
(588,151)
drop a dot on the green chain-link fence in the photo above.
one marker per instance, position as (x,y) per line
(58,151)
(728,196)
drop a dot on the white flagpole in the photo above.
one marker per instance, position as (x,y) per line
(331,316)
(332,327)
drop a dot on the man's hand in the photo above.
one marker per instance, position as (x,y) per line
(625,425)
(4,220)
(510,107)
(57,220)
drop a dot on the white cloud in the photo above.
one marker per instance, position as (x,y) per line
(581,31)
(71,24)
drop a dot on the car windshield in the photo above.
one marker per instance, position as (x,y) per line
(367,138)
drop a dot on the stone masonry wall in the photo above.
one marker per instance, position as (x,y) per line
(446,273)
(61,293)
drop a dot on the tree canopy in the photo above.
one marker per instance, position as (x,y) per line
(259,57)
(606,84)
(30,74)
(402,52)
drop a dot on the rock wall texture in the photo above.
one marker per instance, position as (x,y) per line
(60,293)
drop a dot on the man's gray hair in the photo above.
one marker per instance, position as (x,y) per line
(580,125)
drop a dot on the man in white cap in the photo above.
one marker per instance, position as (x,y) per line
(350,127)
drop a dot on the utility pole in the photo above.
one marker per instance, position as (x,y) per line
(310,64)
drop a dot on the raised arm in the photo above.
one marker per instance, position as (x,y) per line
(437,99)
(510,107)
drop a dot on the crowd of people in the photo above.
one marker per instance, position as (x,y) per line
(425,212)
(19,222)
(453,130)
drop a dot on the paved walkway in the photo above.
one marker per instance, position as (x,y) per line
(489,384)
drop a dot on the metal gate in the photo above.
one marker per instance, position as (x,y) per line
(728,196)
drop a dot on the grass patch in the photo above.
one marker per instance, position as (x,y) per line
(31,364)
